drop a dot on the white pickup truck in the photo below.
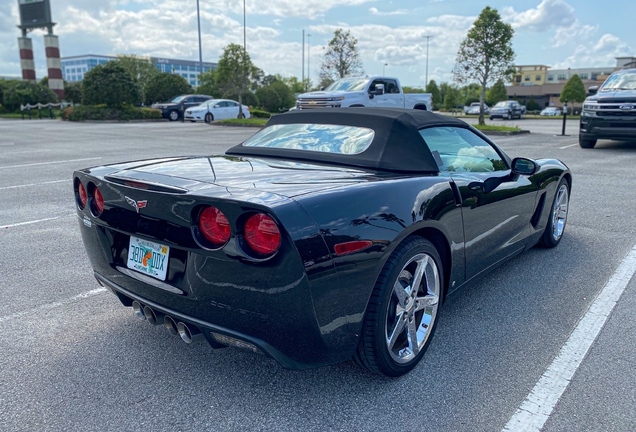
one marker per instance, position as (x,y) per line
(375,91)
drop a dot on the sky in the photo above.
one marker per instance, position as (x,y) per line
(391,34)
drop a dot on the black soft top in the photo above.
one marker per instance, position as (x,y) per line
(397,144)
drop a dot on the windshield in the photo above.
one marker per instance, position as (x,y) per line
(502,104)
(348,85)
(314,137)
(177,99)
(620,81)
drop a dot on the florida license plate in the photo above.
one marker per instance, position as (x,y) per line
(148,257)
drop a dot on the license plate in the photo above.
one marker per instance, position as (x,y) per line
(148,257)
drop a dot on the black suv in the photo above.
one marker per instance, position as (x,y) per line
(610,111)
(174,109)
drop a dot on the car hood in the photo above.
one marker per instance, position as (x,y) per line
(282,177)
(628,96)
(326,94)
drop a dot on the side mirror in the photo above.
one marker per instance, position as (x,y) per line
(379,89)
(524,166)
(592,90)
(322,88)
(216,106)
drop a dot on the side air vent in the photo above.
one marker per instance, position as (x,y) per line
(536,217)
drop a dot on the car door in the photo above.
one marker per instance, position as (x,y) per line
(189,102)
(497,206)
(232,109)
(392,98)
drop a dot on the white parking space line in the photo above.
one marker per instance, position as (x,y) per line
(568,146)
(32,222)
(6,144)
(34,184)
(54,305)
(49,163)
(23,151)
(538,406)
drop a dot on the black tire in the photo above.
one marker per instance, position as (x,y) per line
(173,115)
(491,118)
(586,143)
(551,237)
(209,118)
(509,116)
(418,313)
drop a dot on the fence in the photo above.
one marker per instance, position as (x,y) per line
(39,106)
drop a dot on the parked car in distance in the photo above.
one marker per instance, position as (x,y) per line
(507,110)
(327,235)
(368,91)
(473,109)
(610,111)
(551,111)
(216,109)
(174,109)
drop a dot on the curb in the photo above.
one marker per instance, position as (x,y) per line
(123,121)
(237,125)
(505,133)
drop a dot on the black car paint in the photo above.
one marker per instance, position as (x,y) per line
(304,306)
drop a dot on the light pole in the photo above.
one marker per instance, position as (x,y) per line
(244,29)
(427,39)
(303,56)
(308,60)
(200,51)
(384,68)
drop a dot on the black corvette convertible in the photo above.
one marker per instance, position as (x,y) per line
(328,235)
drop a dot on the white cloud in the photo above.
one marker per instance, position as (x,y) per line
(549,15)
(375,11)
(603,53)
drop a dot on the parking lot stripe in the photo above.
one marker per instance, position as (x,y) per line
(49,163)
(538,405)
(34,184)
(54,305)
(568,146)
(32,222)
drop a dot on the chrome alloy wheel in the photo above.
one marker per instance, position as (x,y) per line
(560,212)
(412,308)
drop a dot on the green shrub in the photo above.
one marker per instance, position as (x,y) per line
(164,87)
(109,84)
(102,112)
(258,113)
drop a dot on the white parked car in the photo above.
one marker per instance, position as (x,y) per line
(473,109)
(551,111)
(216,109)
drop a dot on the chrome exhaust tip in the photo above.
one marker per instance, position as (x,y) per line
(189,334)
(154,318)
(138,310)
(170,325)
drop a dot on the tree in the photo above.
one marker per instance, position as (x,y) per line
(434,91)
(16,93)
(486,55)
(109,84)
(140,69)
(208,84)
(451,98)
(164,87)
(342,58)
(236,73)
(497,93)
(296,85)
(573,91)
(276,97)
(73,91)
(533,105)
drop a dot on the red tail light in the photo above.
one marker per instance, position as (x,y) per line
(262,234)
(81,190)
(98,201)
(214,226)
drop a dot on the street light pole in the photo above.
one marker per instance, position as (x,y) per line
(384,68)
(303,56)
(427,39)
(200,51)
(308,60)
(244,29)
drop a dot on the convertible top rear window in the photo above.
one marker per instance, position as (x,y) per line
(325,138)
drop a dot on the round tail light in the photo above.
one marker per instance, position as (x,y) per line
(214,226)
(98,201)
(83,197)
(262,234)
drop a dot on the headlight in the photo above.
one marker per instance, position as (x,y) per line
(591,106)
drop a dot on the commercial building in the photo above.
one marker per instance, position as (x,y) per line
(74,68)
(545,85)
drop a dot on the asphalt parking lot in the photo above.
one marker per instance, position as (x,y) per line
(73,358)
